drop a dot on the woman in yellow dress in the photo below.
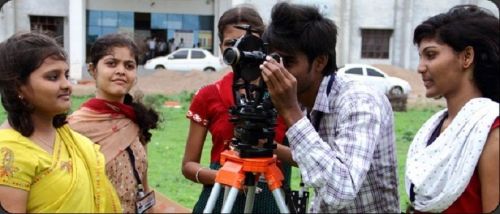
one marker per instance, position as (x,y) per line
(44,165)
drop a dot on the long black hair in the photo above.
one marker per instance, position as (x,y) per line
(469,25)
(20,55)
(147,117)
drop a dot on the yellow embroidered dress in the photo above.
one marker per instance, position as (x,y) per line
(71,179)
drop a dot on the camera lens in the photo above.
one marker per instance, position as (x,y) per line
(231,56)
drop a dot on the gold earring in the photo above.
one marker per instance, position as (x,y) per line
(20,97)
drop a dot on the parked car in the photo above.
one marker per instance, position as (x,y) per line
(390,86)
(187,59)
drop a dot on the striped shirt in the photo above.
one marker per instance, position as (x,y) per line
(350,162)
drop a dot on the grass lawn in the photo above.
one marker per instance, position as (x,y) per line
(406,125)
(166,149)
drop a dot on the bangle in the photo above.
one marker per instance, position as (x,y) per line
(197,174)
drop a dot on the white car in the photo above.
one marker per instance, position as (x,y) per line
(390,86)
(187,59)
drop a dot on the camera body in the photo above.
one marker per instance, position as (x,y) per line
(247,54)
(253,116)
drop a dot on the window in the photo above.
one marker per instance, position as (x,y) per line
(109,18)
(104,22)
(159,20)
(174,21)
(374,73)
(206,22)
(49,25)
(197,55)
(180,55)
(126,19)
(190,22)
(375,43)
(357,71)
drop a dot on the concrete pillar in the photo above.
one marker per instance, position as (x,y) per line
(76,38)
(220,6)
(408,36)
(344,39)
(403,34)
(398,47)
(7,20)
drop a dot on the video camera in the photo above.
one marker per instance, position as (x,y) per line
(253,115)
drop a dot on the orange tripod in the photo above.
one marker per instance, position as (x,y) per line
(233,173)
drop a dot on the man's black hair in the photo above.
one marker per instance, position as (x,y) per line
(300,28)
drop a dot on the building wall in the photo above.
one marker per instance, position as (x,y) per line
(7,20)
(177,18)
(198,7)
(402,16)
(77,35)
(427,11)
(25,8)
(168,18)
(377,14)
(219,8)
(14,16)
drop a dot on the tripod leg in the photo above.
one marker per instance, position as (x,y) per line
(226,192)
(231,198)
(212,199)
(280,200)
(250,199)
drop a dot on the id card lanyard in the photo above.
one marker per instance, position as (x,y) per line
(144,201)
(140,187)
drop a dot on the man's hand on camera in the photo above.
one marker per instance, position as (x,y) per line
(282,87)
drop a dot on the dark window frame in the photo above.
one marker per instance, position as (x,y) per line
(354,71)
(195,54)
(374,73)
(52,26)
(181,55)
(375,43)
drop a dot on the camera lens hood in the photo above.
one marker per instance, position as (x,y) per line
(231,56)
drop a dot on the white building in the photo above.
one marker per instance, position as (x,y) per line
(370,31)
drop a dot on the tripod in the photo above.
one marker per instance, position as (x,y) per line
(235,171)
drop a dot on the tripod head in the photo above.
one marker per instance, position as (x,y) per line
(254,115)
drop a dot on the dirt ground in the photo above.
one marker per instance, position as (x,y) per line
(162,82)
(171,82)
(417,95)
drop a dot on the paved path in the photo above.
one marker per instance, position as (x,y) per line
(166,205)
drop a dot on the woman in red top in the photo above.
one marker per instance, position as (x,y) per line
(453,162)
(209,112)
